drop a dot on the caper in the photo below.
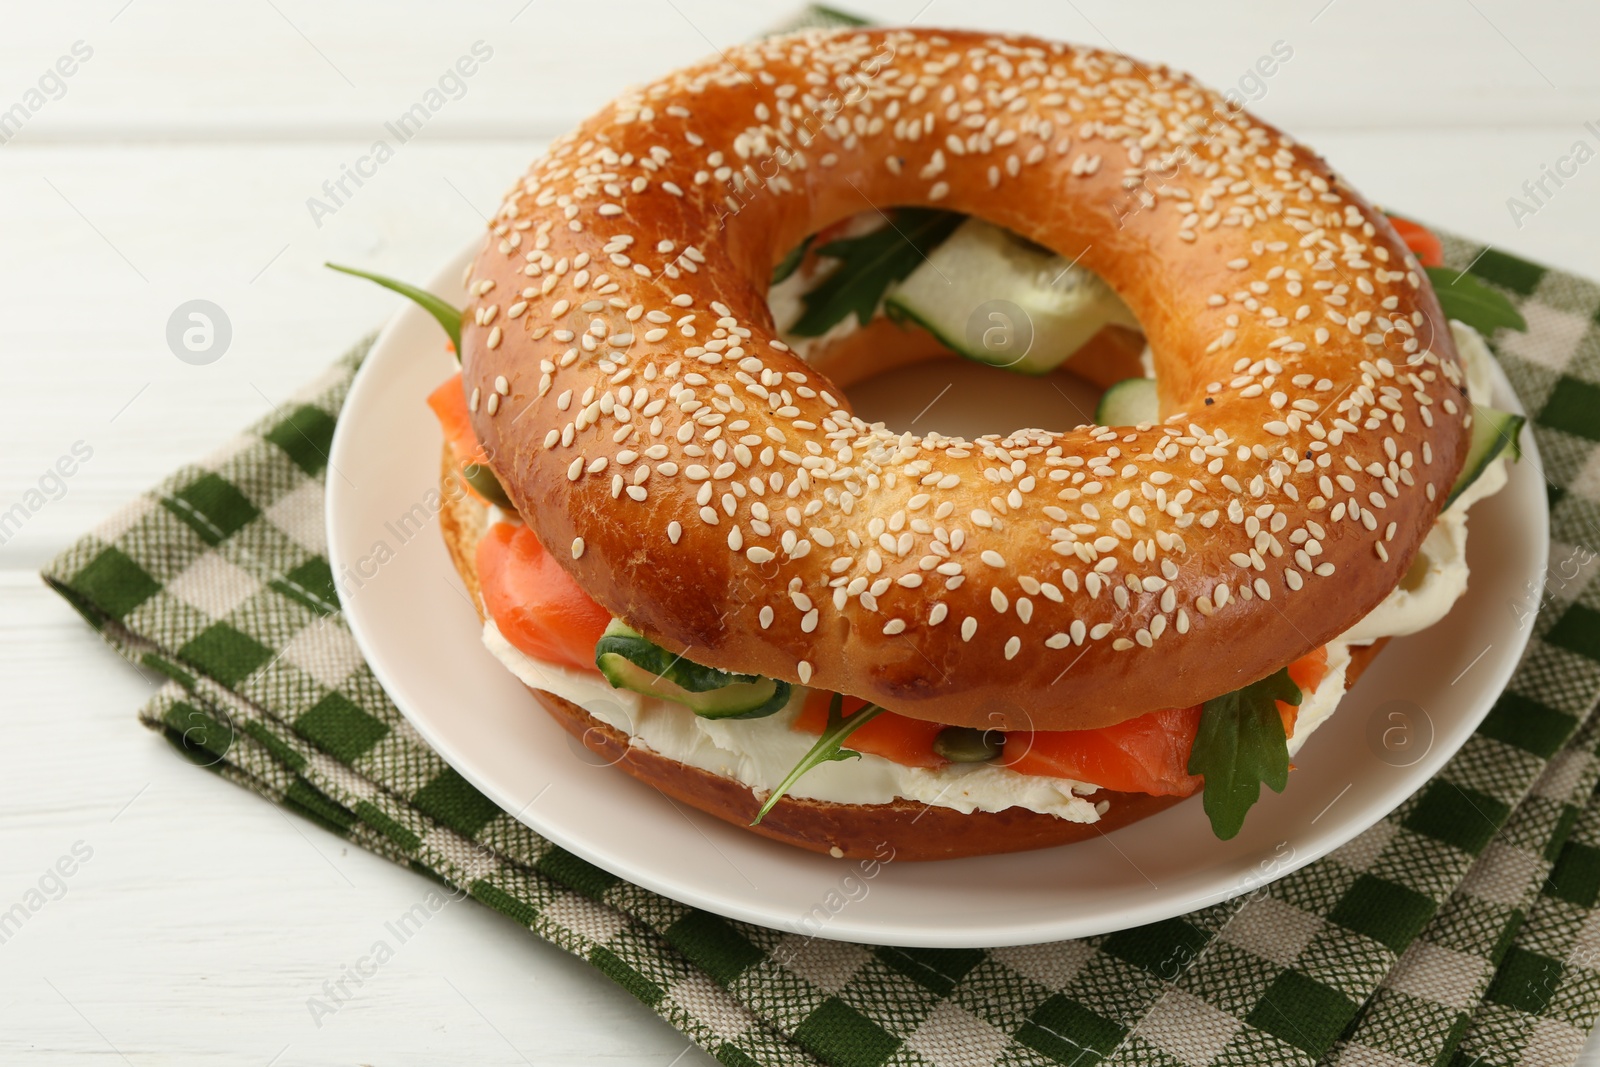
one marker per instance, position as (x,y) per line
(963,744)
(483,481)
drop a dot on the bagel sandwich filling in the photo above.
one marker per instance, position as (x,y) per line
(736,590)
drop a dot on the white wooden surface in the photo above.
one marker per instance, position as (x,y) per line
(177,164)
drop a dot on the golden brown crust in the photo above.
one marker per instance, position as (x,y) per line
(716,493)
(912,830)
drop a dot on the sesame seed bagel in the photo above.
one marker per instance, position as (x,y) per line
(715,492)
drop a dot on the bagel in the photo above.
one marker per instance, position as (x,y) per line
(912,830)
(713,491)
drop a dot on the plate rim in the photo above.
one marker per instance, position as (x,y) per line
(840,927)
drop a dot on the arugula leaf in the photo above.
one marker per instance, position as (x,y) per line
(1241,744)
(440,309)
(791,262)
(844,17)
(1463,296)
(478,475)
(869,264)
(828,747)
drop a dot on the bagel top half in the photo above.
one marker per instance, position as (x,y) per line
(716,493)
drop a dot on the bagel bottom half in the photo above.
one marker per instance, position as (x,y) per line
(903,829)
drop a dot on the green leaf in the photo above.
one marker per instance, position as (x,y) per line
(442,312)
(622,640)
(1464,296)
(791,262)
(1241,744)
(829,747)
(869,264)
(478,475)
(844,18)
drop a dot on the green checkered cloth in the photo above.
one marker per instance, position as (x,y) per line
(1462,928)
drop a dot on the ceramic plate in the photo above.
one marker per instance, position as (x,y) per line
(1414,708)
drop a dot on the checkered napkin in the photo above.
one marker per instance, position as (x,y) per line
(1461,929)
(1463,925)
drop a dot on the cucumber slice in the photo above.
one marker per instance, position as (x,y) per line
(1493,431)
(964,744)
(629,661)
(1130,402)
(991,296)
(481,478)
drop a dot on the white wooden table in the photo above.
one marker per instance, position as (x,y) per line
(176,162)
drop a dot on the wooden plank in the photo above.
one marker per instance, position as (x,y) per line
(297,69)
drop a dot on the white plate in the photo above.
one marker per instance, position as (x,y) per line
(417,628)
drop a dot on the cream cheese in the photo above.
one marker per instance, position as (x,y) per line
(1319,703)
(1438,574)
(758,753)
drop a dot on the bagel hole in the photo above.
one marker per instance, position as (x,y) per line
(896,372)
(963,398)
